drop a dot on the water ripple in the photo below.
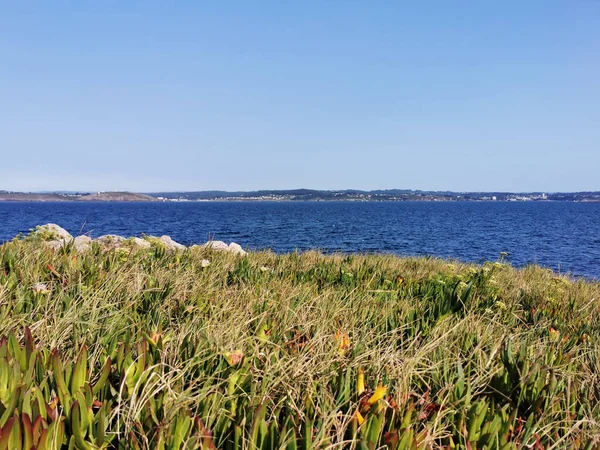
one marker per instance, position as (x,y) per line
(562,236)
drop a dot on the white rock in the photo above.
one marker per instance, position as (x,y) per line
(110,238)
(110,241)
(236,249)
(171,244)
(205,263)
(217,245)
(220,245)
(53,232)
(82,248)
(54,245)
(82,243)
(141,243)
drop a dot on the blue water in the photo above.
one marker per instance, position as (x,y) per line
(562,236)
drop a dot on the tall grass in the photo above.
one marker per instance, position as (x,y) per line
(149,349)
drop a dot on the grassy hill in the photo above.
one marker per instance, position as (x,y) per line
(150,349)
(117,197)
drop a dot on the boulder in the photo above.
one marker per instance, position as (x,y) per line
(170,244)
(54,244)
(217,245)
(140,243)
(52,232)
(82,243)
(110,241)
(222,246)
(236,249)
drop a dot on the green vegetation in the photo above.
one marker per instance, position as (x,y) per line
(149,349)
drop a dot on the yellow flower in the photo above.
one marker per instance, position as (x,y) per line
(359,418)
(360,382)
(378,394)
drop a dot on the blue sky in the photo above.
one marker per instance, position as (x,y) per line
(149,96)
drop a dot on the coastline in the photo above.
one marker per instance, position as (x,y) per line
(303,195)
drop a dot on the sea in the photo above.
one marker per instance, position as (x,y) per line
(562,236)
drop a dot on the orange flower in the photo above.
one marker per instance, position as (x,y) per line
(343,342)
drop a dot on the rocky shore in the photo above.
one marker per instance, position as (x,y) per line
(55,237)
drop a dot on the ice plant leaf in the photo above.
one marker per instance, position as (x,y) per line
(103,376)
(79,376)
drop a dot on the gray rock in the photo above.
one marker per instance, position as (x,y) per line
(54,245)
(140,243)
(110,241)
(170,244)
(82,248)
(52,232)
(222,246)
(217,245)
(236,249)
(82,243)
(62,238)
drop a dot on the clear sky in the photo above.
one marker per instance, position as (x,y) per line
(149,96)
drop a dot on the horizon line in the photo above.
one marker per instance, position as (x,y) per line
(90,191)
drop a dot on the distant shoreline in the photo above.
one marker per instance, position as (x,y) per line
(86,197)
(242,200)
(303,195)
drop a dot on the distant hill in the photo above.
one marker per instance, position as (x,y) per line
(78,197)
(118,197)
(32,197)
